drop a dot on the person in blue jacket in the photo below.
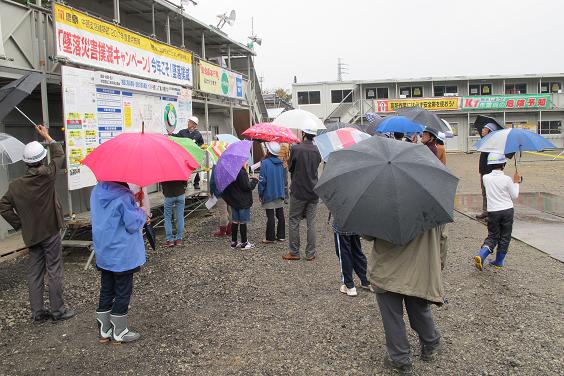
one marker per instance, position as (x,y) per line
(271,193)
(120,251)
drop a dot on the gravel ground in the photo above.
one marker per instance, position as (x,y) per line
(204,309)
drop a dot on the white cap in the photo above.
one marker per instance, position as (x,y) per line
(193,119)
(273,147)
(34,152)
(310,131)
(495,158)
(491,126)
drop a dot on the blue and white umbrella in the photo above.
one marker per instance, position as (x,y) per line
(513,140)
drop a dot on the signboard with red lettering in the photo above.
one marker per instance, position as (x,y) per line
(220,81)
(89,41)
(431,104)
(506,102)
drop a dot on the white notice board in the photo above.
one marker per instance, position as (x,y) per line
(98,106)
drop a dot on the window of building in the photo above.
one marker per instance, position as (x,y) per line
(480,89)
(515,88)
(411,91)
(382,92)
(550,127)
(309,97)
(338,96)
(445,90)
(550,87)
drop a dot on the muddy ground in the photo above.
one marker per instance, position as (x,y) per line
(205,309)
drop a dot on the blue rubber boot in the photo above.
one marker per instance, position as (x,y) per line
(480,258)
(499,258)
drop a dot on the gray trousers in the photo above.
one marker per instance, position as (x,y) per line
(298,209)
(46,255)
(420,319)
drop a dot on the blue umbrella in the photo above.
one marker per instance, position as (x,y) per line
(229,138)
(513,140)
(230,162)
(399,124)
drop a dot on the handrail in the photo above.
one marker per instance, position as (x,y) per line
(338,106)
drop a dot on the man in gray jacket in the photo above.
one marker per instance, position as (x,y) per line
(31,204)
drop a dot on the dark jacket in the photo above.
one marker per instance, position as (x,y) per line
(195,135)
(239,194)
(271,180)
(174,188)
(31,202)
(484,168)
(304,162)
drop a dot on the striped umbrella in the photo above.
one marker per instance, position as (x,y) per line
(337,140)
(215,149)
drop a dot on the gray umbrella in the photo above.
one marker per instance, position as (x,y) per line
(387,189)
(366,128)
(425,117)
(16,91)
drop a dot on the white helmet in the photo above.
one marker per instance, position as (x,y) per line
(273,147)
(310,131)
(193,119)
(34,152)
(495,158)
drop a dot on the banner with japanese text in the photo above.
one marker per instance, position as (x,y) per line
(506,102)
(86,40)
(220,81)
(431,104)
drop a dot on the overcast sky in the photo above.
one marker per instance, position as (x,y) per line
(395,38)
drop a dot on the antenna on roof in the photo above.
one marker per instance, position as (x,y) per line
(341,69)
(253,38)
(224,18)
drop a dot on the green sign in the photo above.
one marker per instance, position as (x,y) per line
(506,102)
(224,83)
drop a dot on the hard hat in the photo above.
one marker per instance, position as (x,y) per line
(193,119)
(492,127)
(432,131)
(34,152)
(495,158)
(310,131)
(273,147)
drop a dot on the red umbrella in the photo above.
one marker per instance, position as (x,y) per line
(270,132)
(140,158)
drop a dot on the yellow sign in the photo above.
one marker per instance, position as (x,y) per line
(431,104)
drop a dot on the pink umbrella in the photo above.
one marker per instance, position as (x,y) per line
(270,132)
(140,158)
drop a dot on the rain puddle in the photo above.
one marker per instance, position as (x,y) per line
(539,219)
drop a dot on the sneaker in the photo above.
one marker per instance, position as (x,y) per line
(350,292)
(246,245)
(310,258)
(430,352)
(41,316)
(169,244)
(367,287)
(290,257)
(234,244)
(65,315)
(281,240)
(402,369)
(178,242)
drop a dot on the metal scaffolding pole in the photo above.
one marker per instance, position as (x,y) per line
(182,32)
(229,56)
(168,29)
(203,46)
(153,19)
(116,12)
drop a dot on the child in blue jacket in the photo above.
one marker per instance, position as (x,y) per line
(272,194)
(120,252)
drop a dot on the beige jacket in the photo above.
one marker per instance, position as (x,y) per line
(413,269)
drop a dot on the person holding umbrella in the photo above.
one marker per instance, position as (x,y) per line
(304,163)
(192,132)
(120,251)
(271,193)
(484,168)
(500,191)
(31,204)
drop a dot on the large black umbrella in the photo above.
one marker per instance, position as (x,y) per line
(425,117)
(16,91)
(150,234)
(482,120)
(387,189)
(339,125)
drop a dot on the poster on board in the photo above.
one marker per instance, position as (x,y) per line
(99,106)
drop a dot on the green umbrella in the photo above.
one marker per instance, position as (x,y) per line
(192,148)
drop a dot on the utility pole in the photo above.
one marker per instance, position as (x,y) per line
(341,69)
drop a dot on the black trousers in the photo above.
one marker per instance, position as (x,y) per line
(500,225)
(115,291)
(197,179)
(280,232)
(349,251)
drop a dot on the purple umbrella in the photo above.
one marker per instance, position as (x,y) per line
(230,162)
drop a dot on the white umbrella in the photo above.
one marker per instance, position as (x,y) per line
(449,133)
(11,149)
(299,119)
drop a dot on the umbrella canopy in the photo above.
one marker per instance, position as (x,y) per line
(387,189)
(449,133)
(215,149)
(270,132)
(11,149)
(337,140)
(230,162)
(16,91)
(191,147)
(425,117)
(513,140)
(140,158)
(399,124)
(229,138)
(299,119)
(330,127)
(482,120)
(374,121)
